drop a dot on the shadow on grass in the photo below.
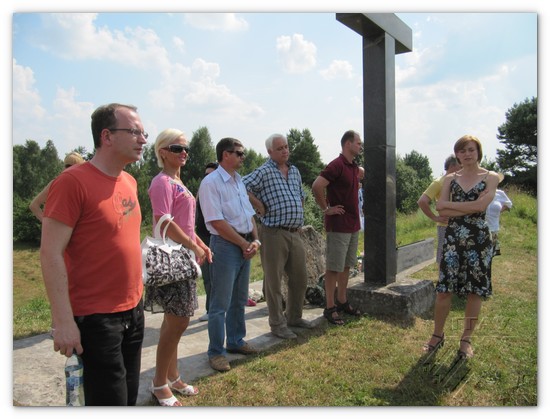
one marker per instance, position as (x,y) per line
(433,376)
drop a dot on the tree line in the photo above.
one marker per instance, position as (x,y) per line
(35,167)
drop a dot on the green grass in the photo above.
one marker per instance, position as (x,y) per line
(373,361)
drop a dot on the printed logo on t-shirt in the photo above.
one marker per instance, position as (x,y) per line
(124,206)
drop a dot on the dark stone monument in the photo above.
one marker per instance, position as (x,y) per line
(384,35)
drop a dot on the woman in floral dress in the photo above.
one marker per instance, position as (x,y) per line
(465,267)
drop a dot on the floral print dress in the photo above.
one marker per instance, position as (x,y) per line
(465,267)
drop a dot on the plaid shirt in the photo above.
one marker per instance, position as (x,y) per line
(282,198)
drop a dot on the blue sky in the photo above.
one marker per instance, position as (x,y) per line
(248,75)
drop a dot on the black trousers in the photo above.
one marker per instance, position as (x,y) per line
(112,356)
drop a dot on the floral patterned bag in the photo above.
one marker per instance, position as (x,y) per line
(164,261)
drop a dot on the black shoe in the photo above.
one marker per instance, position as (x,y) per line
(328,314)
(347,308)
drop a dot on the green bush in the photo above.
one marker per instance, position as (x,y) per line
(313,215)
(26,227)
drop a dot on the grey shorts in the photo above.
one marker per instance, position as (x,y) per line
(341,250)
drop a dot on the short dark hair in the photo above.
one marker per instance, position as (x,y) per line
(211,165)
(226,144)
(349,135)
(450,161)
(105,117)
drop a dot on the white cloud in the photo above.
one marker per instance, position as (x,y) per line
(26,98)
(179,43)
(441,113)
(338,69)
(205,70)
(67,123)
(204,91)
(71,119)
(74,36)
(296,55)
(419,63)
(227,22)
(195,91)
(171,87)
(66,107)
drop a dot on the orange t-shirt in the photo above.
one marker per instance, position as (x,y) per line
(103,256)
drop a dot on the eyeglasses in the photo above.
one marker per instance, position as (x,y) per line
(176,148)
(132,131)
(238,153)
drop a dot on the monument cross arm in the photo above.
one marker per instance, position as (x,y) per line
(374,24)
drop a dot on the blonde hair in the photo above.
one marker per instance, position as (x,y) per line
(73,158)
(165,138)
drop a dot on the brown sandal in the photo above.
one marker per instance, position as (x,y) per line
(427,348)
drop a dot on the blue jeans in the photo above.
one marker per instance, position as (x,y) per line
(229,274)
(112,356)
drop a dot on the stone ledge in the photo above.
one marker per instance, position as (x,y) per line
(402,300)
(414,253)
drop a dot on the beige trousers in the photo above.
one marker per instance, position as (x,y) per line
(283,252)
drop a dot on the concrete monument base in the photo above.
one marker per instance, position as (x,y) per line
(401,300)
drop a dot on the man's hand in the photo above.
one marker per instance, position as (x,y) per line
(66,339)
(335,210)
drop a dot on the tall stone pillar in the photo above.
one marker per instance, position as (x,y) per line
(384,35)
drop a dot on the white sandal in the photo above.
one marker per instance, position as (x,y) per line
(170,401)
(188,390)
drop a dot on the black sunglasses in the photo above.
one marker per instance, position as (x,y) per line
(176,148)
(238,153)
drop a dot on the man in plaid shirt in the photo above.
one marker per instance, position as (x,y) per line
(275,191)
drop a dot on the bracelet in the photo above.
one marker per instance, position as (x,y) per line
(326,209)
(257,241)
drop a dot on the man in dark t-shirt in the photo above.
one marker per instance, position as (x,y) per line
(335,191)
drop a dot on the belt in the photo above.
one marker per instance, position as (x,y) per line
(290,229)
(247,236)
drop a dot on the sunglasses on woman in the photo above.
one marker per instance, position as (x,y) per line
(176,148)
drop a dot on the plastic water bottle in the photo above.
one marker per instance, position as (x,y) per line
(74,381)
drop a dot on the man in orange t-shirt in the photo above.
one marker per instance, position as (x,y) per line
(91,260)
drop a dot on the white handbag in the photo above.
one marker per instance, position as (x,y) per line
(164,261)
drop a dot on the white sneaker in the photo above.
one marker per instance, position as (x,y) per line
(204,317)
